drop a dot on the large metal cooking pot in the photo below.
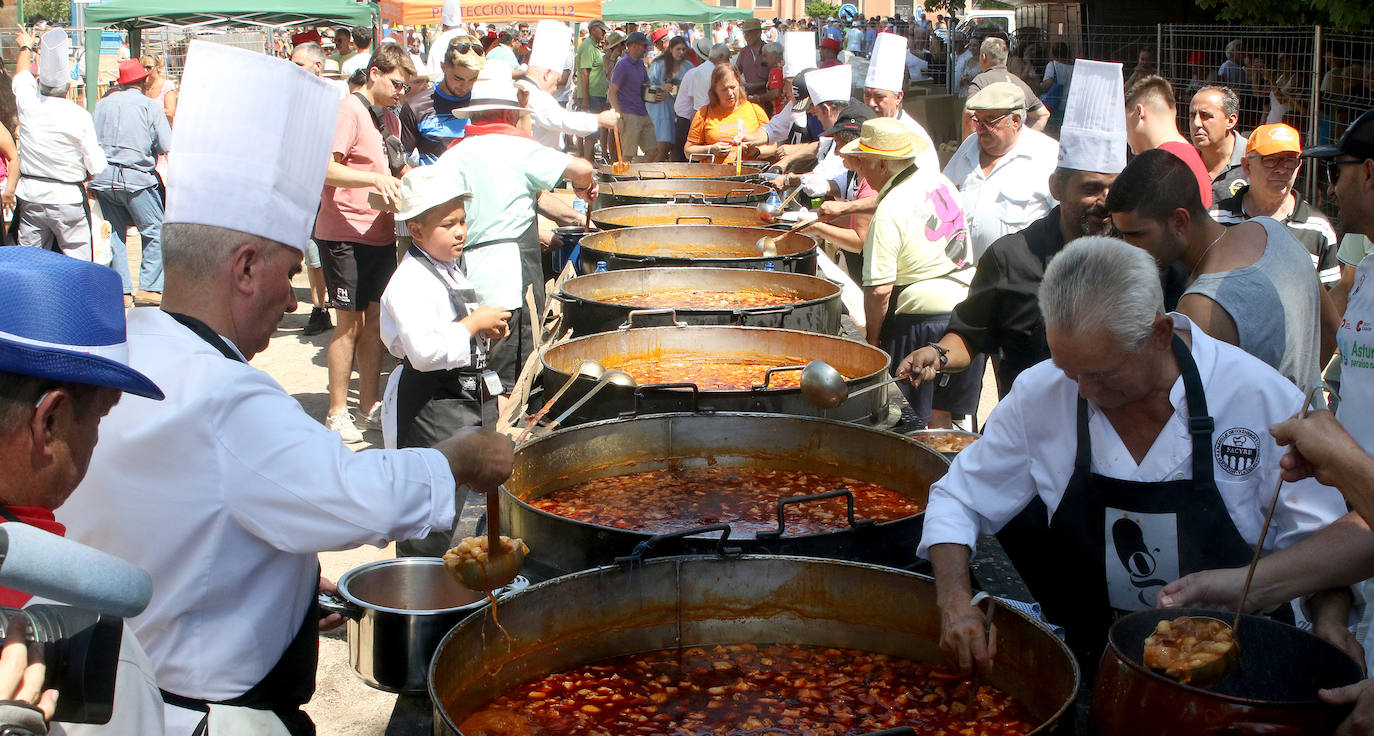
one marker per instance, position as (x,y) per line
(397,611)
(865,364)
(652,171)
(693,601)
(640,215)
(559,545)
(1272,689)
(719,246)
(815,307)
(665,191)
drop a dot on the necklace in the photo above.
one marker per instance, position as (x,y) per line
(1208,249)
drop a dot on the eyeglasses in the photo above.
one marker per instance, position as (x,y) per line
(1333,168)
(988,124)
(1278,162)
(147,67)
(463,47)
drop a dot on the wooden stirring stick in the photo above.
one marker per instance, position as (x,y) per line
(619,167)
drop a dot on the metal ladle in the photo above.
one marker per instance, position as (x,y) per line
(585,368)
(769,212)
(618,378)
(824,387)
(768,246)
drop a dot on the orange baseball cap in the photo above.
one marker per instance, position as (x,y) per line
(1274,138)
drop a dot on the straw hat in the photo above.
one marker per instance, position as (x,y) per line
(886,138)
(613,39)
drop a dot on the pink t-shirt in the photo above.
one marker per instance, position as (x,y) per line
(344,213)
(1190,156)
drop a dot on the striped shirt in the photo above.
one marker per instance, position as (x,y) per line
(1309,226)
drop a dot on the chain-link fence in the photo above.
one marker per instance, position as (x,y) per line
(171,43)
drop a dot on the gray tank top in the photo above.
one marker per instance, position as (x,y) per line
(1274,304)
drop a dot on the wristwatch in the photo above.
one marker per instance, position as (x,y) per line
(943,351)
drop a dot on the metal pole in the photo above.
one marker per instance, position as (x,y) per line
(1312,110)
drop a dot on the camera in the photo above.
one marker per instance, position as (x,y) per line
(81,653)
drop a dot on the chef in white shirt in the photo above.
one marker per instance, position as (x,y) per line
(549,120)
(227,490)
(885,88)
(789,127)
(451,18)
(1147,442)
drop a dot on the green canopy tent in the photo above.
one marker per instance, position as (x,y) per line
(135,15)
(682,11)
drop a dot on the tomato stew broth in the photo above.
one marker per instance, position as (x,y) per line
(745,298)
(769,690)
(662,501)
(709,371)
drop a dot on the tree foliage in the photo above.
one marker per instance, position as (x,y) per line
(1342,15)
(53,10)
(821,9)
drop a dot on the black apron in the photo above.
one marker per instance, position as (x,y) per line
(1150,523)
(291,681)
(531,275)
(431,405)
(12,232)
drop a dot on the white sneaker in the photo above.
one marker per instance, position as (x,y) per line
(343,424)
(373,419)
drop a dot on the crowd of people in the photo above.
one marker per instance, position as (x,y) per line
(1147,320)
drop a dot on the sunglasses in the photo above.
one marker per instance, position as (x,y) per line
(1333,168)
(398,85)
(463,47)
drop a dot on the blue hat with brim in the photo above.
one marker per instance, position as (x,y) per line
(63,319)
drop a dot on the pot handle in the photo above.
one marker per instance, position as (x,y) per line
(742,315)
(563,297)
(746,193)
(768,375)
(689,196)
(671,312)
(641,175)
(1257,729)
(642,549)
(707,218)
(335,603)
(837,493)
(640,391)
(694,157)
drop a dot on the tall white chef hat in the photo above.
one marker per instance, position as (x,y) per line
(798,52)
(53,50)
(887,63)
(551,40)
(252,140)
(1093,137)
(832,84)
(452,13)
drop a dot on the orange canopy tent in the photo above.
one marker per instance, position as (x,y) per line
(425,12)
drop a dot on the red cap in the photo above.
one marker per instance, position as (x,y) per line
(659,34)
(131,71)
(830,43)
(310,36)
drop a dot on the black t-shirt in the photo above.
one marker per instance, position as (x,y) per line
(428,125)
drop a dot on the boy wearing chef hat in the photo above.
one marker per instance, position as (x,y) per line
(548,119)
(60,151)
(432,322)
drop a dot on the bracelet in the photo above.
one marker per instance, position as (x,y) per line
(942,351)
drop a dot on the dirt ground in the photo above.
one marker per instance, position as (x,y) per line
(343,705)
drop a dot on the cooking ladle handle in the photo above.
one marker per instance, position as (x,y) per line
(878,385)
(545,408)
(600,384)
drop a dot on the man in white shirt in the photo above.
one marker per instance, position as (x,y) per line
(1003,169)
(59,153)
(549,120)
(1148,443)
(258,488)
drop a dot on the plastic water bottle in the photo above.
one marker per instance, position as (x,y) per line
(580,205)
(769,266)
(600,266)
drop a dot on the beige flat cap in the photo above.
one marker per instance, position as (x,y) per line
(997,96)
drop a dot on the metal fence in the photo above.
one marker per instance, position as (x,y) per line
(171,43)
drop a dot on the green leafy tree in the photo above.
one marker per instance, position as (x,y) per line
(54,10)
(820,9)
(1344,15)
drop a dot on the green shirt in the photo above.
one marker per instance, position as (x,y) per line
(589,57)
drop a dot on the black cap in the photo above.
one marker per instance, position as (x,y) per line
(1358,141)
(851,118)
(800,93)
(637,37)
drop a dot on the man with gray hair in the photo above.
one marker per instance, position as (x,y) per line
(1133,426)
(59,154)
(1212,117)
(992,59)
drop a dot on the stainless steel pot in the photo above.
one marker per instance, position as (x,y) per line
(693,601)
(665,191)
(397,612)
(816,304)
(654,171)
(865,364)
(641,215)
(716,246)
(559,545)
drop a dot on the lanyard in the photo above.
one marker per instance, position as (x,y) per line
(204,332)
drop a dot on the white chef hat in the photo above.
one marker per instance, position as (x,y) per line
(832,84)
(1093,137)
(252,139)
(798,52)
(887,63)
(452,14)
(551,41)
(53,67)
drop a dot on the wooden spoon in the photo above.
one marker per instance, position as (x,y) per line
(619,167)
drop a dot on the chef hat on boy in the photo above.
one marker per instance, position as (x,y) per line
(252,138)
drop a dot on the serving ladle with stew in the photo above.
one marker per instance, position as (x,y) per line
(768,246)
(825,387)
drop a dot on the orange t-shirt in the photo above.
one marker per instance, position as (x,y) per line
(713,124)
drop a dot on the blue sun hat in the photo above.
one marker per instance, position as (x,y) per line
(63,319)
